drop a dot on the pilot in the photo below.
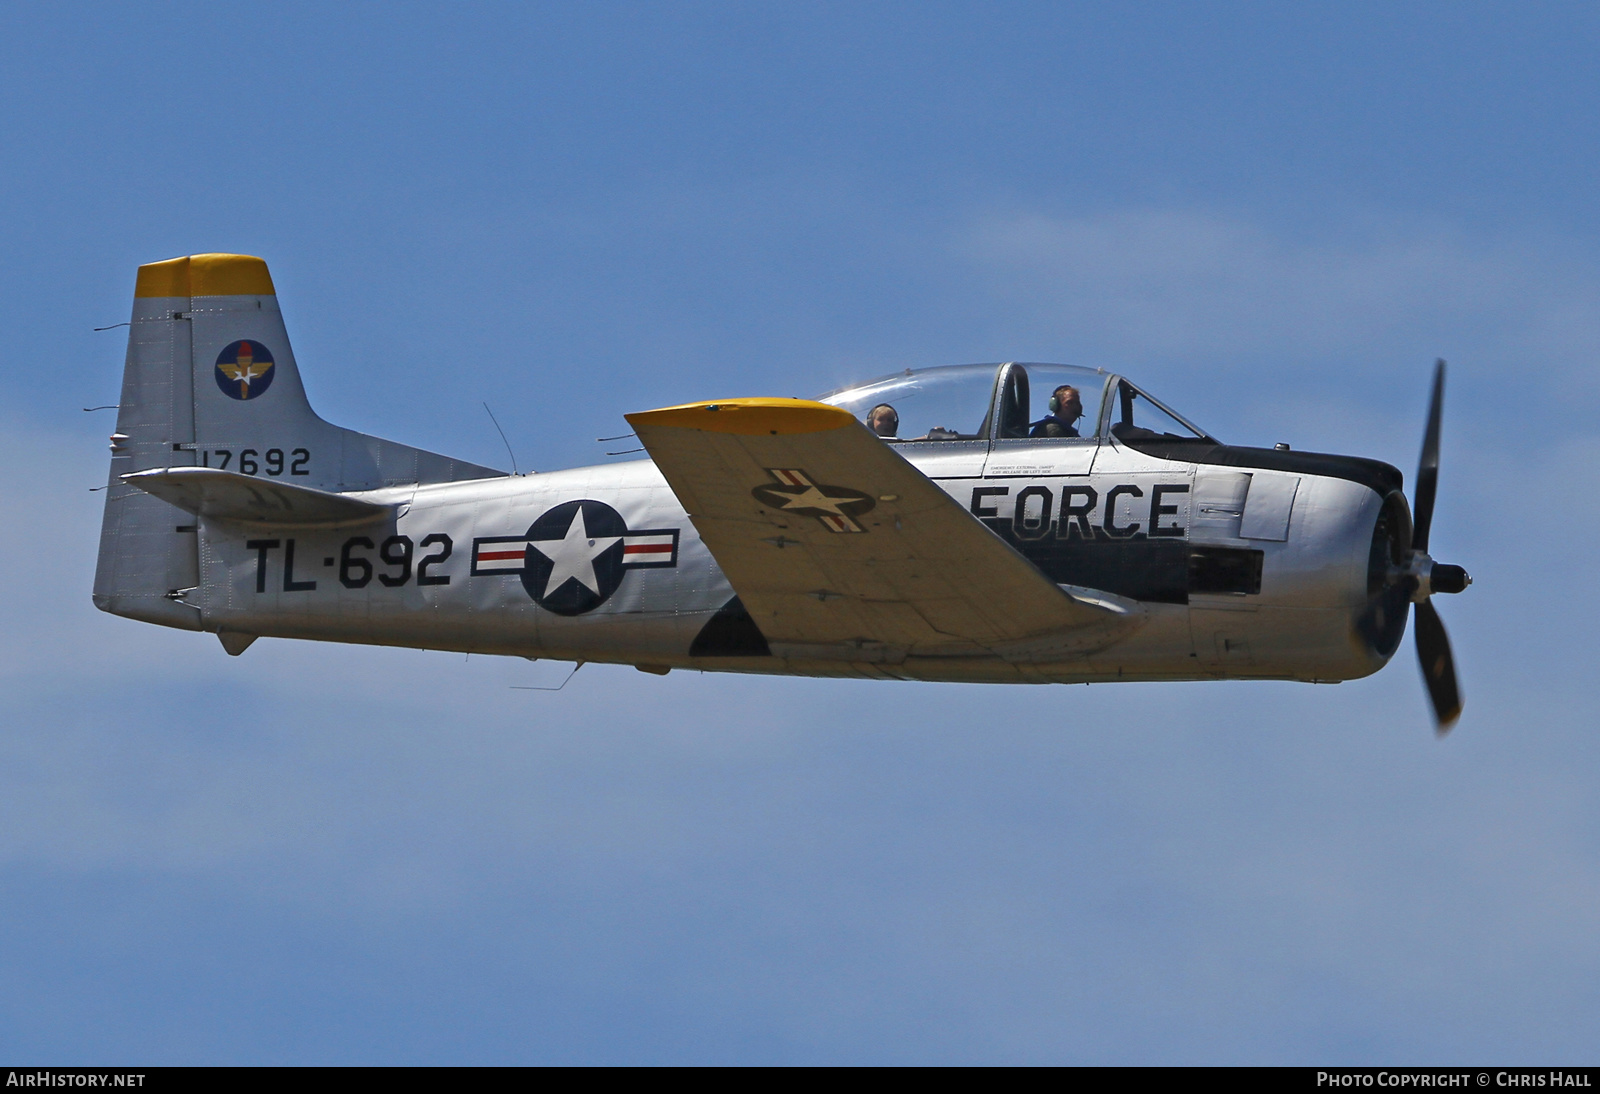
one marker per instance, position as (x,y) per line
(1065,409)
(883,421)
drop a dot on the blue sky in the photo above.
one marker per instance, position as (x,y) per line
(1274,217)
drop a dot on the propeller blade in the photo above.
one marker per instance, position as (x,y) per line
(1438,667)
(1428,466)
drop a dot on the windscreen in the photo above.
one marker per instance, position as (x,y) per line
(1138,417)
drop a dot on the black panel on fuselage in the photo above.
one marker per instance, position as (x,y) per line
(1137,567)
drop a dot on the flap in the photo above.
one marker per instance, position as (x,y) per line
(228,496)
(831,538)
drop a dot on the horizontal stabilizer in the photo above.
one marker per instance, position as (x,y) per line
(832,539)
(227,496)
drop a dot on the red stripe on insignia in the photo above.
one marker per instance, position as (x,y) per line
(648,549)
(494,556)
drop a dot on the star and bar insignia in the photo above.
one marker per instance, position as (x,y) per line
(575,555)
(796,492)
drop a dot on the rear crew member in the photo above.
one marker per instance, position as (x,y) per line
(883,421)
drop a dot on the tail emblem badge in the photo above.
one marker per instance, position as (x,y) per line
(244,370)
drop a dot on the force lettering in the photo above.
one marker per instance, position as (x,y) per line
(1125,511)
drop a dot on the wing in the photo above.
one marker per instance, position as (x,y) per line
(831,538)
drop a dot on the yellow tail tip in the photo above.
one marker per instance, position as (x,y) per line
(205,275)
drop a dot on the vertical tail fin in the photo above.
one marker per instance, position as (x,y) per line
(210,379)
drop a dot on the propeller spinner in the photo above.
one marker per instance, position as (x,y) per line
(1402,573)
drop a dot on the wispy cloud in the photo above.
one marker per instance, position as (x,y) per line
(1174,284)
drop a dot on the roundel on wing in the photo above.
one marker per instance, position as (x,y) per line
(244,370)
(574,557)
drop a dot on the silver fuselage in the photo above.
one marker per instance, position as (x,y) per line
(418,581)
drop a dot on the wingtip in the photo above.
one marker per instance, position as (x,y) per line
(747,417)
